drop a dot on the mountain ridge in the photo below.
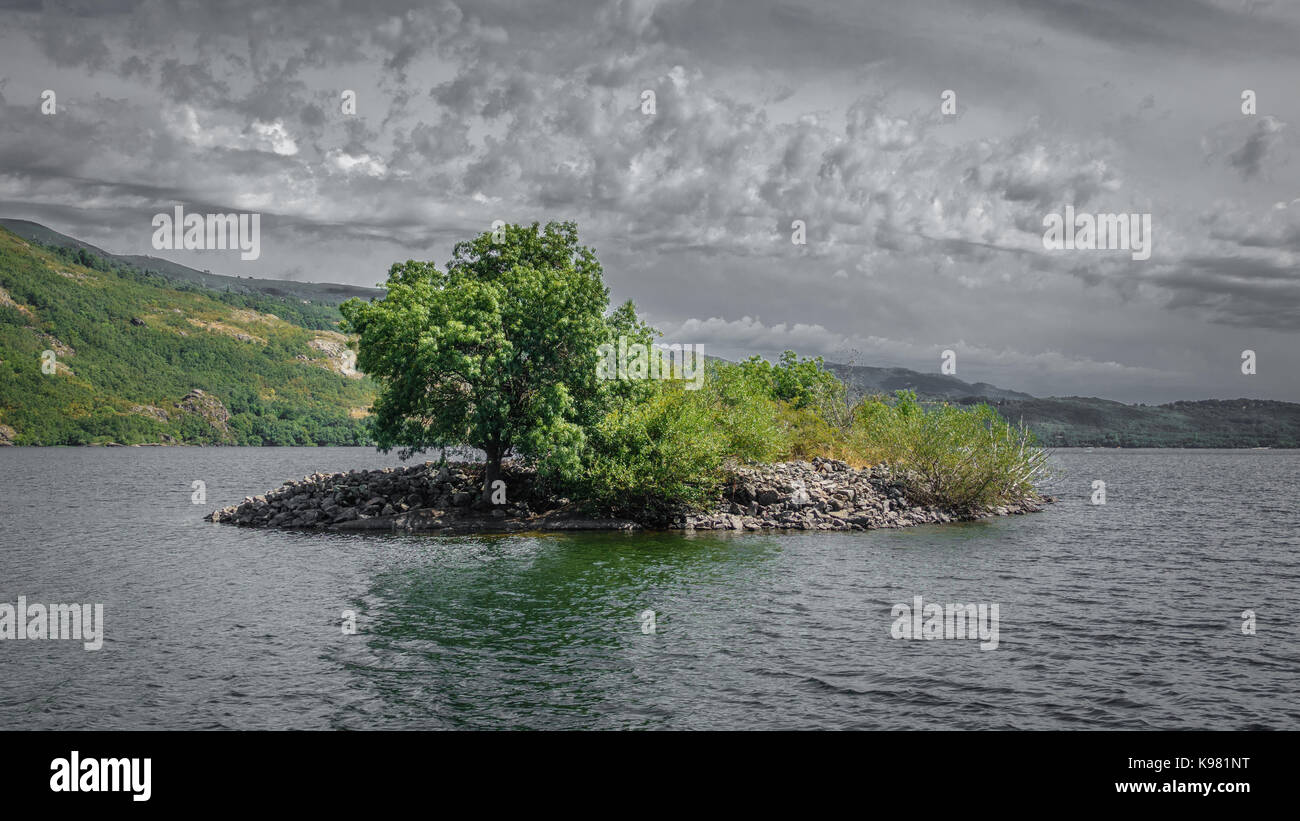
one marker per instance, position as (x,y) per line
(869,379)
(326,293)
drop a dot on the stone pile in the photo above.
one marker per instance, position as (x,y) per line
(823,494)
(827,494)
(338,500)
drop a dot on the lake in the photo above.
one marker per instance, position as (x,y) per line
(1126,615)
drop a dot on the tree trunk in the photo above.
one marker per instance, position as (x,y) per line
(491,473)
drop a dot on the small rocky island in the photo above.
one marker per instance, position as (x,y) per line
(824,494)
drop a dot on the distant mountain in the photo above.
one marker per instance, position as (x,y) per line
(322,293)
(863,380)
(1076,421)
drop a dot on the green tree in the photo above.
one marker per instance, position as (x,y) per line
(496,352)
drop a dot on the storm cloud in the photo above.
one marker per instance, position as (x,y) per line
(924,226)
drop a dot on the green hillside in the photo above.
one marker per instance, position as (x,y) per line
(327,293)
(140,358)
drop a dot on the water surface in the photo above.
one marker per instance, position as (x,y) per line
(1126,615)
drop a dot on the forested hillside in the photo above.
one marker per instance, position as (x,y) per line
(326,293)
(133,357)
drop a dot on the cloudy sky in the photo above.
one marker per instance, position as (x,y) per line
(924,228)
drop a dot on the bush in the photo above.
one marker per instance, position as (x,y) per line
(958,457)
(743,412)
(807,434)
(664,449)
(800,382)
(653,457)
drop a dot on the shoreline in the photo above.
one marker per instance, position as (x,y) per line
(821,495)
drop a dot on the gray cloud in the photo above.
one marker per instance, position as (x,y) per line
(923,227)
(1250,156)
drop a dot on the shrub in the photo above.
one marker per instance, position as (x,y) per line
(664,448)
(743,413)
(800,382)
(807,434)
(653,456)
(958,457)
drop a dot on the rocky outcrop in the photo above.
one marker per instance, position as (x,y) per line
(208,407)
(150,410)
(827,494)
(8,301)
(820,495)
(339,358)
(217,327)
(60,348)
(429,498)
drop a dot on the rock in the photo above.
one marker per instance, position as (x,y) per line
(207,407)
(823,494)
(800,496)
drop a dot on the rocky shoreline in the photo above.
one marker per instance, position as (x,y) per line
(823,494)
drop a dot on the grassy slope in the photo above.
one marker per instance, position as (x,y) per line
(315,292)
(116,376)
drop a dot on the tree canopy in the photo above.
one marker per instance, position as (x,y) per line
(496,351)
